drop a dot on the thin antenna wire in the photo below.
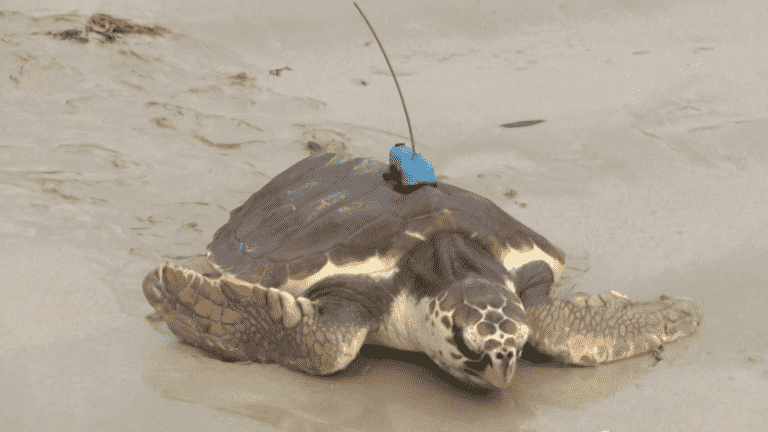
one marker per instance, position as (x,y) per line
(407,119)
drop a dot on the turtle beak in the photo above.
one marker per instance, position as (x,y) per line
(501,371)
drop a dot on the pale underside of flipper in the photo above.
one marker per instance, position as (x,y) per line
(588,330)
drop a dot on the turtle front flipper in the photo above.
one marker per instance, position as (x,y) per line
(236,320)
(588,330)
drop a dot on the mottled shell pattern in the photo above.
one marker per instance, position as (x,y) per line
(332,214)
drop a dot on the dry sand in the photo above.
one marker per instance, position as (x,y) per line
(650,169)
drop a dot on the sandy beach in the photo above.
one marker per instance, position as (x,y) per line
(649,171)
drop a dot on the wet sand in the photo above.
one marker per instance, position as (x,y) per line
(649,171)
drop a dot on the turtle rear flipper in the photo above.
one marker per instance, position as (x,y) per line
(588,330)
(239,321)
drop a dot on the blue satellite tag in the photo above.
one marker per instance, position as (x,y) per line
(415,170)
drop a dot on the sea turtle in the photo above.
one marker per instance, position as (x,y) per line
(335,252)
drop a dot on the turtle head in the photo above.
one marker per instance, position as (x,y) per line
(487,331)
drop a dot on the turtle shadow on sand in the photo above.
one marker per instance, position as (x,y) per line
(376,382)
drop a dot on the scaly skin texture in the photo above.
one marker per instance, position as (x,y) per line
(236,320)
(588,330)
